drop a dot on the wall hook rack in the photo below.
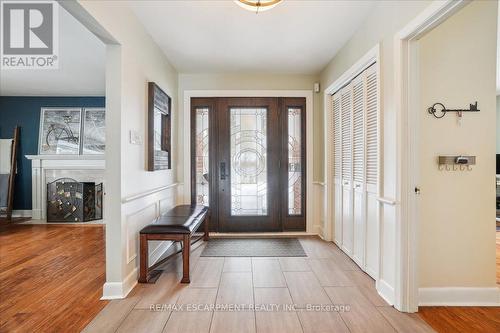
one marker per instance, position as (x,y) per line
(460,162)
(438,110)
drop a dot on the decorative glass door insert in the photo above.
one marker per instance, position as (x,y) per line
(248,161)
(202,157)
(294,161)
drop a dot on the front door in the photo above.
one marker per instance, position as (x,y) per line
(248,162)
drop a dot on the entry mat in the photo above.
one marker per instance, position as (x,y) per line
(253,247)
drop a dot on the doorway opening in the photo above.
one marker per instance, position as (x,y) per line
(248,162)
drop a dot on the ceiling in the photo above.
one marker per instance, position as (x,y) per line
(219,36)
(81,66)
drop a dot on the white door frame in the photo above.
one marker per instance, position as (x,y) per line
(407,97)
(311,226)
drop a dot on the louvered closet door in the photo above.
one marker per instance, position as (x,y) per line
(358,145)
(337,167)
(372,172)
(347,198)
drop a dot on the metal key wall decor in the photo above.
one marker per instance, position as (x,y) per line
(438,110)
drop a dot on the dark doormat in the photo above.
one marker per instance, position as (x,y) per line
(253,247)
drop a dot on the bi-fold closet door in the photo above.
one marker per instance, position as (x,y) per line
(356,139)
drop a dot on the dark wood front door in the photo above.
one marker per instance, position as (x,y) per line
(248,162)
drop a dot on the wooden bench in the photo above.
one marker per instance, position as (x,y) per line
(178,225)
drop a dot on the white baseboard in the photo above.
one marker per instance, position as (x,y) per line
(159,251)
(22,213)
(318,229)
(371,272)
(119,290)
(459,296)
(386,291)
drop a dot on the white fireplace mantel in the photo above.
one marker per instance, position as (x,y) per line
(41,164)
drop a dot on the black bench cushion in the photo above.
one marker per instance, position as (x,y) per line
(185,210)
(173,222)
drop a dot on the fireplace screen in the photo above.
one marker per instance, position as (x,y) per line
(72,201)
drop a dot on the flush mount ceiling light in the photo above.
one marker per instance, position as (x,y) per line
(257,5)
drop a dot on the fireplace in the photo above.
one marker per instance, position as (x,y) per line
(49,168)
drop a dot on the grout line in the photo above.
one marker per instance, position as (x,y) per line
(386,319)
(216,295)
(340,314)
(253,293)
(128,313)
(296,313)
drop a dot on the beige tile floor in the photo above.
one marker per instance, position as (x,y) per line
(325,278)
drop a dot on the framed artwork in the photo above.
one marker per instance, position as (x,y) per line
(60,131)
(159,130)
(94,131)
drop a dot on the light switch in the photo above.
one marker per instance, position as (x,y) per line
(135,137)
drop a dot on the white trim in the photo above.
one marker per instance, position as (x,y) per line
(149,192)
(386,291)
(387,201)
(406,289)
(430,17)
(366,61)
(159,251)
(455,296)
(308,94)
(22,213)
(262,234)
(119,290)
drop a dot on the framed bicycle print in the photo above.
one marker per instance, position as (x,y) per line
(60,131)
(94,131)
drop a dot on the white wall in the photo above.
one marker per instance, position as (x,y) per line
(498,124)
(386,19)
(457,214)
(134,61)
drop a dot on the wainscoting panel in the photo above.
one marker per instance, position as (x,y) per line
(134,223)
(140,211)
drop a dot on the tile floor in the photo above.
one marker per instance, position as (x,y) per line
(274,295)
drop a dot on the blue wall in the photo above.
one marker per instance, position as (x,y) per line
(25,112)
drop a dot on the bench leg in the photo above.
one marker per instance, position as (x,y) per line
(186,245)
(143,264)
(207,223)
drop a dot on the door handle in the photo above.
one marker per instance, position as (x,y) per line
(223,173)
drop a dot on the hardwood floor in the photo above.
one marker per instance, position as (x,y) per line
(51,277)
(498,257)
(258,282)
(461,319)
